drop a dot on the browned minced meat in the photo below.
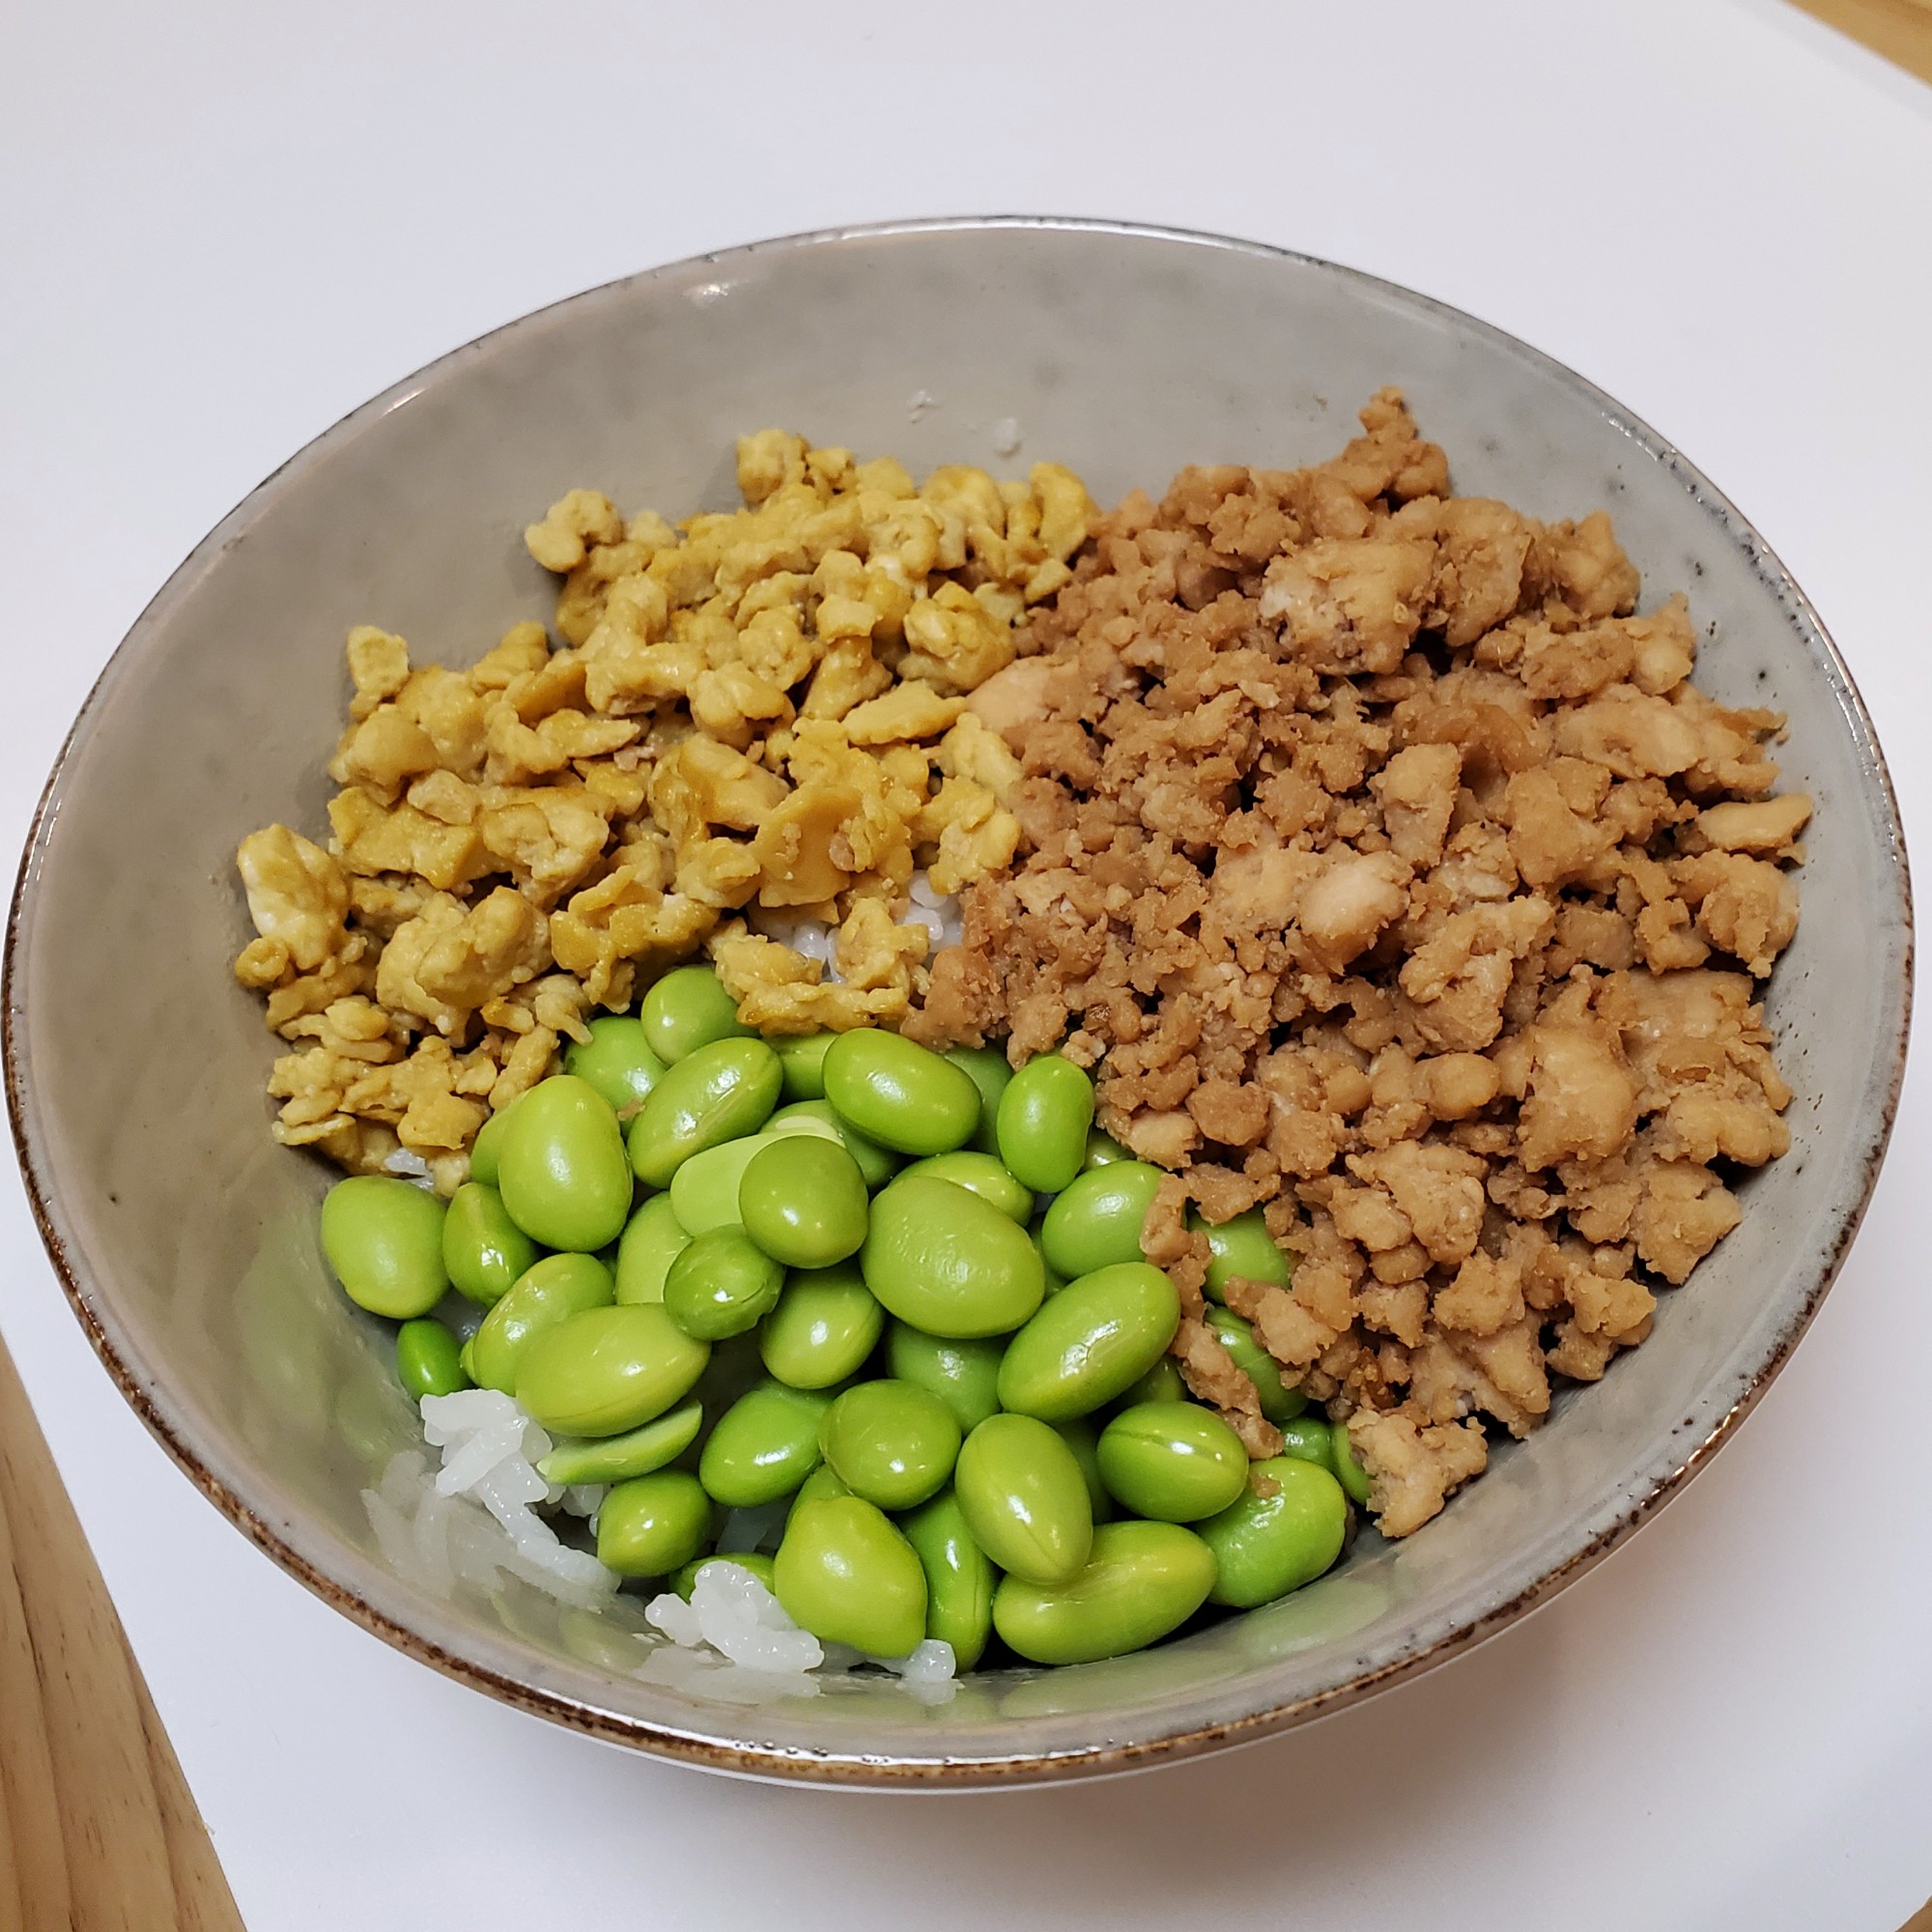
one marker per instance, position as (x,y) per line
(1388,872)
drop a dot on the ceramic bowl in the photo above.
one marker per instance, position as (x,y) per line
(187,1239)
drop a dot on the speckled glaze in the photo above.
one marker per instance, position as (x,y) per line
(187,1239)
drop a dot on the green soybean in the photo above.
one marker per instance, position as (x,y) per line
(719,1092)
(1163,1382)
(980,1174)
(899,1094)
(636,1452)
(1174,1462)
(891,1442)
(824,1481)
(704,1191)
(383,1238)
(754,1560)
(1278,1402)
(959,1579)
(802,1201)
(1349,1471)
(487,1149)
(1310,1438)
(845,1574)
(964,1375)
(1042,1122)
(562,1171)
(607,1370)
(548,1292)
(653,1238)
(1241,1248)
(1092,1342)
(686,1009)
(616,1060)
(1265,1546)
(1025,1498)
(989,1071)
(654,1524)
(947,1262)
(803,1058)
(1081,1436)
(764,1446)
(722,1284)
(1096,1219)
(1056,1280)
(428,1359)
(1143,1580)
(876,1164)
(826,1323)
(1101,1148)
(483,1250)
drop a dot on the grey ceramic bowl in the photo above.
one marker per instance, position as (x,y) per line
(187,1239)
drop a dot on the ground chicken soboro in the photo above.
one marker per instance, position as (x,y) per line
(1389,870)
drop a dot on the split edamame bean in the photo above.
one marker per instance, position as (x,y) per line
(802,1201)
(989,1071)
(563,1172)
(688,1009)
(483,1250)
(1143,1581)
(846,1574)
(636,1452)
(1172,1462)
(899,1094)
(945,1260)
(1265,1546)
(802,1056)
(654,1524)
(1025,1498)
(982,1175)
(963,1373)
(764,1446)
(1241,1247)
(1349,1471)
(383,1238)
(617,1059)
(1096,1219)
(718,1092)
(653,1238)
(547,1292)
(704,1190)
(1278,1402)
(722,1284)
(609,1370)
(826,1323)
(1092,1342)
(754,1560)
(876,1164)
(1042,1122)
(428,1359)
(891,1442)
(959,1581)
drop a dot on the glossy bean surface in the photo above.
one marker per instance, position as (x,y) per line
(802,1201)
(685,1009)
(1172,1462)
(635,1452)
(980,1174)
(1348,1466)
(989,1071)
(845,1573)
(1241,1248)
(764,1446)
(1025,1498)
(1096,1219)
(487,1149)
(722,1284)
(607,1370)
(899,1094)
(1265,1546)
(803,1060)
(1092,1342)
(877,1164)
(1278,1402)
(383,1238)
(563,1172)
(1311,1438)
(1042,1122)
(483,1250)
(653,1525)
(704,1190)
(826,1323)
(652,1239)
(428,1359)
(943,1259)
(547,1292)
(959,1577)
(963,1373)
(616,1060)
(891,1442)
(1143,1581)
(719,1092)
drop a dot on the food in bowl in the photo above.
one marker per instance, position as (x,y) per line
(1351,849)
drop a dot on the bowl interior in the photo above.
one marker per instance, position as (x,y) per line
(189,1238)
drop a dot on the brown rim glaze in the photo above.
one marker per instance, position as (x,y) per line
(982,1771)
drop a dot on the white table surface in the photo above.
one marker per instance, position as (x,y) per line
(223,225)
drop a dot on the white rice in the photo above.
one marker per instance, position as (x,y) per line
(1006,436)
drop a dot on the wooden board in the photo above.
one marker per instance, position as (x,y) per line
(1901,30)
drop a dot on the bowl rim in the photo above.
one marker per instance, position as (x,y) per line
(181,1440)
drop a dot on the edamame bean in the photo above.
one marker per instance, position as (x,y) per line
(383,1238)
(486,1150)
(899,1094)
(483,1250)
(989,1071)
(616,1060)
(562,1171)
(636,1452)
(704,1190)
(547,1292)
(722,1284)
(607,1370)
(1081,1436)
(765,1446)
(802,1056)
(654,1524)
(1143,1580)
(1042,1122)
(1309,1438)
(754,1560)
(802,1201)
(1096,1219)
(959,1579)
(827,1323)
(1172,1462)
(982,1175)
(891,1442)
(949,1262)
(1055,1279)
(686,1009)
(428,1359)
(1278,1402)
(964,1375)
(719,1092)
(1163,1382)
(824,1481)
(848,1575)
(876,1164)
(653,1238)
(1265,1546)
(1241,1248)
(1025,1498)
(1101,1148)
(1092,1342)
(1349,1471)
